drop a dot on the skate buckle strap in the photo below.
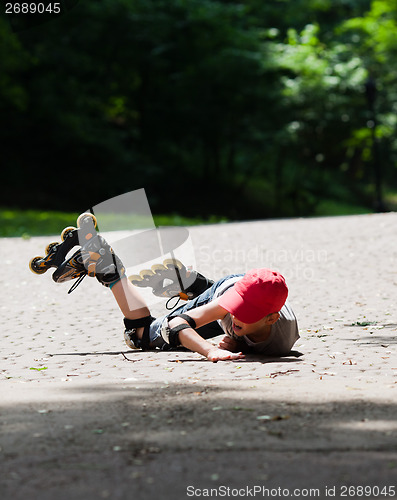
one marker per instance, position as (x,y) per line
(92,263)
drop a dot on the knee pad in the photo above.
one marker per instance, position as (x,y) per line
(131,326)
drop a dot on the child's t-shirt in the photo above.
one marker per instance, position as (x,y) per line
(283,334)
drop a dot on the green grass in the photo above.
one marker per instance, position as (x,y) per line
(328,207)
(390,199)
(27,223)
(332,207)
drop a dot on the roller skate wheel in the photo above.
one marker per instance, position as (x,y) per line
(65,233)
(158,268)
(173,263)
(146,273)
(136,280)
(34,267)
(86,218)
(49,247)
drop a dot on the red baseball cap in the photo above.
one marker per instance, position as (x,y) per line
(258,293)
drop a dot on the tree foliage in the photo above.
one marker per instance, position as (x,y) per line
(246,109)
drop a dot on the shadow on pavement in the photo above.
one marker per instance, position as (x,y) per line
(148,441)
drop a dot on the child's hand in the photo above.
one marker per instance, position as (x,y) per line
(228,344)
(216,354)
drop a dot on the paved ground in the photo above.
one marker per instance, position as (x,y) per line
(83,417)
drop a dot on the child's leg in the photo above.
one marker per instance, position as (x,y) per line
(97,259)
(213,329)
(209,330)
(135,311)
(129,300)
(137,318)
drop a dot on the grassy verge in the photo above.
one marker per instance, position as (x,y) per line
(332,207)
(26,223)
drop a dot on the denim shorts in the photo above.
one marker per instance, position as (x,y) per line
(207,331)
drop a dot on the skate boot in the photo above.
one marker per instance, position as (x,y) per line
(172,279)
(57,252)
(96,259)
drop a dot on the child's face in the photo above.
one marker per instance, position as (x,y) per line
(240,328)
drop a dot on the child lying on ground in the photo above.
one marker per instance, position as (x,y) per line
(251,309)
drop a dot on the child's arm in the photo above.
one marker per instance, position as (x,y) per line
(229,344)
(190,339)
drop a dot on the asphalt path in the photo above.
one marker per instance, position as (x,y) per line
(84,417)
